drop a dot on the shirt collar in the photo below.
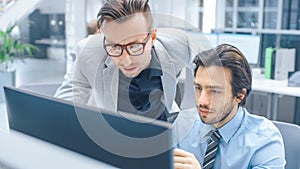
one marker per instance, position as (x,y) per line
(205,131)
(155,65)
(228,130)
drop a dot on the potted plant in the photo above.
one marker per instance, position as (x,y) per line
(11,48)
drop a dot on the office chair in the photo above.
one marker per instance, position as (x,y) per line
(291,136)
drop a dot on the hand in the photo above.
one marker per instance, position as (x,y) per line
(185,160)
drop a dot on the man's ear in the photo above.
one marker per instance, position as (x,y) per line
(241,95)
(153,36)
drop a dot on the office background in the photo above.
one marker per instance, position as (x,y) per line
(252,25)
(55,26)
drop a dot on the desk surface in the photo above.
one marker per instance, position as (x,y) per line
(19,150)
(22,151)
(261,84)
(3,118)
(275,86)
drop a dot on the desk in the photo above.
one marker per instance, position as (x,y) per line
(52,48)
(18,150)
(52,42)
(275,89)
(3,119)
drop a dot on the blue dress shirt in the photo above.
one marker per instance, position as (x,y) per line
(248,141)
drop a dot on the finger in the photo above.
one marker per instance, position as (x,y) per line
(180,152)
(179,159)
(182,166)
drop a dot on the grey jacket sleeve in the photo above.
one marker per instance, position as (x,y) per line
(66,90)
(179,45)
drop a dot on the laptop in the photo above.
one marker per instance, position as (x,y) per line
(120,139)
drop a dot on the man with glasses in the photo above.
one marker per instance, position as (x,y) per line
(131,66)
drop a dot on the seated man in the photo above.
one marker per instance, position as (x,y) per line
(225,135)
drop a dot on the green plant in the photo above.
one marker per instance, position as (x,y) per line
(12,47)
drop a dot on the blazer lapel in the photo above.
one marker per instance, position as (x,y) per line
(169,75)
(110,85)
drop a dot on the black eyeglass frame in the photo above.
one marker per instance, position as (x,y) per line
(125,46)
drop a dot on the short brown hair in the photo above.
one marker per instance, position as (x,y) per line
(120,9)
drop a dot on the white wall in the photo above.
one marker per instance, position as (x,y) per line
(75,19)
(17,11)
(209,16)
(53,6)
(92,9)
(184,14)
(169,13)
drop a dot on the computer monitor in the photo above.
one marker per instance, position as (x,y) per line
(249,45)
(123,140)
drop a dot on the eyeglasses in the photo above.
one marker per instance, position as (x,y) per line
(133,49)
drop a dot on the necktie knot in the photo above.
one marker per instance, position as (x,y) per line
(215,136)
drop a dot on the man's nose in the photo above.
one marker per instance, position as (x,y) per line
(203,98)
(126,60)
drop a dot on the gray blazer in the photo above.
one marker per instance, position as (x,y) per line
(94,81)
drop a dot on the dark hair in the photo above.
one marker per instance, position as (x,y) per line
(228,56)
(121,10)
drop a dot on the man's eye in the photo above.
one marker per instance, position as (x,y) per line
(115,47)
(197,88)
(135,47)
(215,91)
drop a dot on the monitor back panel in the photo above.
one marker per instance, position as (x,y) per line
(57,122)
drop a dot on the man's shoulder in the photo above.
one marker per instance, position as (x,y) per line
(174,43)
(171,35)
(173,32)
(260,126)
(178,43)
(93,42)
(92,47)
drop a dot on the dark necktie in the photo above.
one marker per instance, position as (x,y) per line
(211,150)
